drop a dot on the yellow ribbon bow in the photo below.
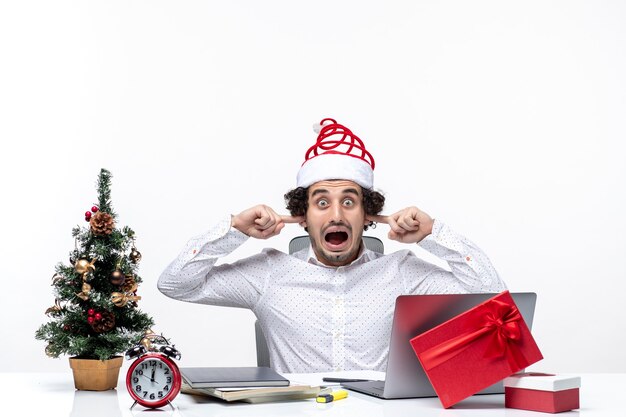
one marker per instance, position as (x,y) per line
(120,299)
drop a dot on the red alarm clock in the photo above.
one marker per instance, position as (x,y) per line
(153,379)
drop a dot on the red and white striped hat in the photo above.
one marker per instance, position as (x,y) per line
(338,154)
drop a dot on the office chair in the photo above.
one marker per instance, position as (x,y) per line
(298,243)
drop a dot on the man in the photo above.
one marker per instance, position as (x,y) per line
(328,307)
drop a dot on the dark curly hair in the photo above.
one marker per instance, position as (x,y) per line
(297,201)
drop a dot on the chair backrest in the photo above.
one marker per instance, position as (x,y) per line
(296,244)
(301,242)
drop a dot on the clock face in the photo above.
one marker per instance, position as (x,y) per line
(153,380)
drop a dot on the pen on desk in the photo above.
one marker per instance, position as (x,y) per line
(333,379)
(333,396)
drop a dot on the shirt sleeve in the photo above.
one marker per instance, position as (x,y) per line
(471,270)
(193,276)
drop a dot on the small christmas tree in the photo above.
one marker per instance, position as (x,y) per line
(95,314)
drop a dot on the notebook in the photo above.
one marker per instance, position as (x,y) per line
(414,314)
(258,395)
(232,377)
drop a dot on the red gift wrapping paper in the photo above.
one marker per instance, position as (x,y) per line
(544,401)
(548,393)
(476,349)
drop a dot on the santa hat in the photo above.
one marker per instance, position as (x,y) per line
(338,154)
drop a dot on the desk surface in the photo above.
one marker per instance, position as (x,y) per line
(53,394)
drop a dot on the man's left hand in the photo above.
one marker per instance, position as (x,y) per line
(409,225)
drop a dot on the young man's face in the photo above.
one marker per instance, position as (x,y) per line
(335,218)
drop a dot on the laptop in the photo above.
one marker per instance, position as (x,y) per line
(413,315)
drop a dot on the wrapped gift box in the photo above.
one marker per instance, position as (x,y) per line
(542,392)
(476,349)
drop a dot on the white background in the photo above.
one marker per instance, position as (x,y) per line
(503,119)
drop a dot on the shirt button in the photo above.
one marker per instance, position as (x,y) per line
(338,301)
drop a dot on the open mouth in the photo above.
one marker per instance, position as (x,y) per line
(336,238)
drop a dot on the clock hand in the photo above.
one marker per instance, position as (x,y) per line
(152,378)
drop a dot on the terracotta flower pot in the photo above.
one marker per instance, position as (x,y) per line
(94,374)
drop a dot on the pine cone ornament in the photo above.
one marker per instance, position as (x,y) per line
(101,224)
(130,284)
(105,323)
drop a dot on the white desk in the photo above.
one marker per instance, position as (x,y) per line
(53,394)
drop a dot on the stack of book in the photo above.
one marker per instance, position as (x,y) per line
(249,384)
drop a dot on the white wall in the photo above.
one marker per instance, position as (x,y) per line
(503,119)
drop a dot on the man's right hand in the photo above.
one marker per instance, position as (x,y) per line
(262,222)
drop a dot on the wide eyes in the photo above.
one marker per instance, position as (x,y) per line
(348,202)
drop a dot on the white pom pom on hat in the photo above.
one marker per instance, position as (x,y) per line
(338,154)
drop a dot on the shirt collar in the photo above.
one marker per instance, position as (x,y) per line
(364,256)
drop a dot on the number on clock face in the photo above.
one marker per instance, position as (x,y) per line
(152,380)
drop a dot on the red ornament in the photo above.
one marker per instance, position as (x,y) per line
(94,209)
(98,316)
(90,319)
(91,311)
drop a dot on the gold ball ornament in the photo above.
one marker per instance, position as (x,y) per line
(49,350)
(117,277)
(83,265)
(135,255)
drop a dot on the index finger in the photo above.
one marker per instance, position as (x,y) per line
(378,218)
(292,219)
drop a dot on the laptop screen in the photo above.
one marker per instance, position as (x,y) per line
(415,314)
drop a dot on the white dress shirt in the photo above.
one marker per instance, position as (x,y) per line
(318,318)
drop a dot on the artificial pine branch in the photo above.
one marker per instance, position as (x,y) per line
(104,192)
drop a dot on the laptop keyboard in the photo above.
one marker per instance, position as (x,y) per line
(378,386)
